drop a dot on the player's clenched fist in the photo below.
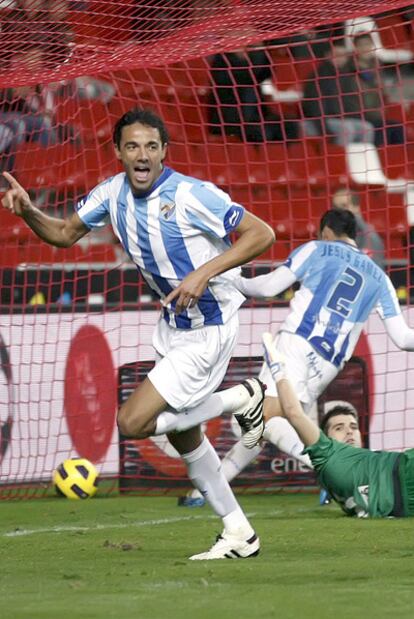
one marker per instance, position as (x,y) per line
(16,199)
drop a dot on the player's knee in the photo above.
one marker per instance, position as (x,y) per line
(131,426)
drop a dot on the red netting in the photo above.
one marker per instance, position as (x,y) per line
(257,123)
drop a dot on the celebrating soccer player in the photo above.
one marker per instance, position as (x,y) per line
(175,229)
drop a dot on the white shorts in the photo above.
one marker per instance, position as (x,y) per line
(191,365)
(308,372)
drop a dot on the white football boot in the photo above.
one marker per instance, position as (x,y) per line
(230,547)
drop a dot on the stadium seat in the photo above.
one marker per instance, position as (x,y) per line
(38,253)
(334,160)
(63,166)
(397,161)
(13,229)
(90,119)
(306,163)
(394,31)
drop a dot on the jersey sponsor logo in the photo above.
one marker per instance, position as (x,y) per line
(167,210)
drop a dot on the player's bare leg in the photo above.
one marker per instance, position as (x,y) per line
(137,416)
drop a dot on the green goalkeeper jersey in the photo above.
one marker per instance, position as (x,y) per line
(364,483)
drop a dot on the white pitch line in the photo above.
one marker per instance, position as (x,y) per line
(139,523)
(101,527)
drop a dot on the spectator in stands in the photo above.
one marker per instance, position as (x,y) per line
(7,134)
(323,104)
(237,106)
(28,110)
(367,238)
(87,88)
(364,98)
(311,43)
(41,21)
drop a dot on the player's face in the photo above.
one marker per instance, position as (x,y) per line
(365,50)
(344,428)
(142,154)
(339,56)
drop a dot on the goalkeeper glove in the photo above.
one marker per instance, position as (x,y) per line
(274,360)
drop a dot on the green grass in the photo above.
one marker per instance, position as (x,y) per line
(127,557)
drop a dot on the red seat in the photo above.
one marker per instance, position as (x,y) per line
(393,31)
(397,161)
(91,118)
(13,229)
(37,253)
(306,162)
(334,162)
(63,166)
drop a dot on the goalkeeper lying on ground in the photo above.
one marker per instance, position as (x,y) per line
(363,482)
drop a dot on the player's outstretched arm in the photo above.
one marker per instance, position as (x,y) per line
(255,236)
(268,285)
(52,230)
(400,333)
(307,430)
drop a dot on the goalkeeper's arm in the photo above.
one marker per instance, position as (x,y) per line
(292,409)
(52,230)
(269,285)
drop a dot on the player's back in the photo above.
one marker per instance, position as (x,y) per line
(339,288)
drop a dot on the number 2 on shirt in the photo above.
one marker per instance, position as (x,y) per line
(345,292)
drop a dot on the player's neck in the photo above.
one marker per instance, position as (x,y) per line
(346,239)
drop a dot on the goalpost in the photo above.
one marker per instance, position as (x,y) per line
(76,324)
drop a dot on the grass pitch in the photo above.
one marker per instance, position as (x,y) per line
(127,557)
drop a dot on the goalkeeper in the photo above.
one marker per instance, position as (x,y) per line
(365,483)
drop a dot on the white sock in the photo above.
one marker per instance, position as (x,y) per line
(218,403)
(234,462)
(279,432)
(176,421)
(233,398)
(238,458)
(204,470)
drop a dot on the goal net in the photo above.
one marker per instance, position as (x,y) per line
(289,109)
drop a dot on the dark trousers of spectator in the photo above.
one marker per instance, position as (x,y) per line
(260,125)
(387,131)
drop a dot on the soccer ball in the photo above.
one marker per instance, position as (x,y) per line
(76,478)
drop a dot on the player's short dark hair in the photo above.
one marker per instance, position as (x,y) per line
(340,221)
(143,116)
(339,409)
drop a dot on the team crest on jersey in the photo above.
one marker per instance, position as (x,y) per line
(167,210)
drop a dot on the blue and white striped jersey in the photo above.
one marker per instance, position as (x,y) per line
(181,224)
(339,287)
